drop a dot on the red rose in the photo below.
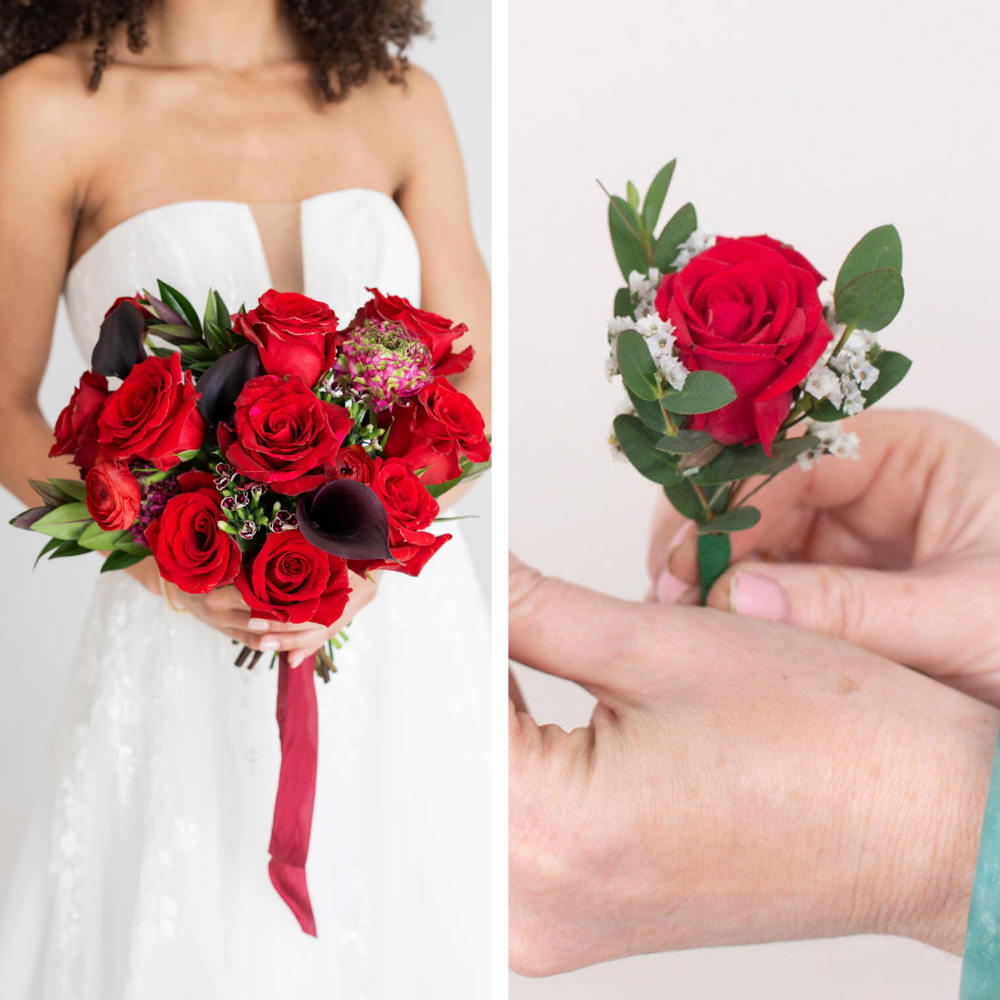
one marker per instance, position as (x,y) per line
(430,435)
(410,508)
(190,549)
(153,414)
(295,335)
(290,580)
(113,495)
(282,433)
(436,332)
(747,309)
(135,300)
(353,463)
(76,429)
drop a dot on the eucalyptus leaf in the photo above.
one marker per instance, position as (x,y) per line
(877,250)
(656,195)
(650,413)
(892,368)
(703,392)
(685,499)
(684,442)
(624,225)
(678,228)
(827,413)
(119,560)
(738,462)
(637,366)
(739,519)
(638,442)
(623,302)
(180,304)
(871,300)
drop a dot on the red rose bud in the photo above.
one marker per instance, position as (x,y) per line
(119,346)
(431,435)
(283,434)
(436,332)
(113,495)
(353,462)
(190,549)
(153,414)
(748,309)
(76,429)
(345,518)
(290,580)
(294,334)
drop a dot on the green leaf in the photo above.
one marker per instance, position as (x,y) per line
(871,300)
(119,560)
(51,495)
(217,339)
(680,226)
(75,489)
(892,368)
(655,196)
(222,316)
(739,519)
(684,442)
(157,477)
(133,549)
(636,364)
(650,413)
(94,537)
(187,456)
(639,444)
(179,304)
(161,352)
(196,352)
(470,470)
(52,543)
(65,522)
(174,334)
(623,302)
(624,225)
(738,462)
(703,392)
(685,499)
(633,196)
(827,413)
(877,250)
(68,548)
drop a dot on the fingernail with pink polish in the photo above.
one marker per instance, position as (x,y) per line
(675,543)
(758,597)
(270,644)
(258,625)
(669,588)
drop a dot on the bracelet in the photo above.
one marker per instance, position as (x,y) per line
(167,598)
(981,961)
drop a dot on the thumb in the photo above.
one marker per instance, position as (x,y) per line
(908,616)
(564,629)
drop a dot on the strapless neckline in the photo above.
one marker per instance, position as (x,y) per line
(189,202)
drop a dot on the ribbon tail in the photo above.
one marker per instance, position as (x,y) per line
(298,729)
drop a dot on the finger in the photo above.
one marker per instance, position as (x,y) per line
(297,657)
(275,642)
(266,625)
(564,629)
(907,616)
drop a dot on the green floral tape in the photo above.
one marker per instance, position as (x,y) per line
(714,553)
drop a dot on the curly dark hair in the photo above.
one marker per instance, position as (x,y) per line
(345,40)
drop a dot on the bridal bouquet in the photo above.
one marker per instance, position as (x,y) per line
(737,360)
(270,449)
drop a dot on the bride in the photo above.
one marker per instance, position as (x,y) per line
(240,145)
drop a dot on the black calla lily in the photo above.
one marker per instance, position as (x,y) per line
(119,347)
(346,519)
(221,385)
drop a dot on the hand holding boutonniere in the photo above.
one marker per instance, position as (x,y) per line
(738,363)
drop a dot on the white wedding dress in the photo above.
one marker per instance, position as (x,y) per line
(144,872)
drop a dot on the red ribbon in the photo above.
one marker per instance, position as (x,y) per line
(298,728)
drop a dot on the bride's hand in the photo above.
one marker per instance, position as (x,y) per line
(225,610)
(898,552)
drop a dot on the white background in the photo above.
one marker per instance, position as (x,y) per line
(42,611)
(813,122)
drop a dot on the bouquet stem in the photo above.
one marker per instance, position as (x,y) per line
(714,553)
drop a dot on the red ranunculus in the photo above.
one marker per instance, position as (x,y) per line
(282,434)
(153,414)
(76,429)
(431,434)
(190,549)
(436,332)
(113,495)
(295,335)
(353,462)
(290,580)
(748,309)
(410,509)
